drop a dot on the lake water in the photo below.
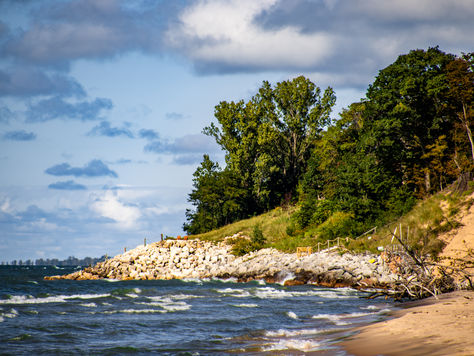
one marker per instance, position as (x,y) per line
(194,317)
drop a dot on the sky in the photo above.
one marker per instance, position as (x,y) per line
(102,102)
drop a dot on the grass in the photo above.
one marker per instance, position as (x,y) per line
(273,225)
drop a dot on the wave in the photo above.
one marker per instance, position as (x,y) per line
(338,319)
(249,305)
(292,315)
(294,344)
(28,299)
(10,314)
(237,292)
(292,333)
(133,311)
(167,304)
(88,305)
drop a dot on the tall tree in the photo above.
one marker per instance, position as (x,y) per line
(268,140)
(407,102)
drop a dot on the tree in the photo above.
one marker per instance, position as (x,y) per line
(460,77)
(269,139)
(217,197)
(407,104)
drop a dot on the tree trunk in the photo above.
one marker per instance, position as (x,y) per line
(427,181)
(468,129)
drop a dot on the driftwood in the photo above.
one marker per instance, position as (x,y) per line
(420,276)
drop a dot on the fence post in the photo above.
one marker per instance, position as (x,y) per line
(318,246)
(328,243)
(338,242)
(124,249)
(144,242)
(161,237)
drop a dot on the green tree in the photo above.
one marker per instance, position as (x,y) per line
(216,196)
(407,113)
(269,139)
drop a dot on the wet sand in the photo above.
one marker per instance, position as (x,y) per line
(426,327)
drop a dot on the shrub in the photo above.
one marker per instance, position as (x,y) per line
(243,246)
(339,224)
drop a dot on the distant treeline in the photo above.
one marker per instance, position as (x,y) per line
(70,261)
(410,137)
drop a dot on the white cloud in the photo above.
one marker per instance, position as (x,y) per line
(125,215)
(226,31)
(5,206)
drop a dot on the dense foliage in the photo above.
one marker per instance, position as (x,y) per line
(410,137)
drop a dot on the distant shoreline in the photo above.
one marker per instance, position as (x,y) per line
(443,326)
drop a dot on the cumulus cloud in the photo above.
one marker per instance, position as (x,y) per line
(105,129)
(67,185)
(110,206)
(20,135)
(57,108)
(347,39)
(69,30)
(95,168)
(226,33)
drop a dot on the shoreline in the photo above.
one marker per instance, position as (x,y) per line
(443,326)
(195,259)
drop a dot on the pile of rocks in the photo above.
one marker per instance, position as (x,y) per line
(179,259)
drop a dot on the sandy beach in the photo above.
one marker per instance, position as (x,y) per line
(443,326)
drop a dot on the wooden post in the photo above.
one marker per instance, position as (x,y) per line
(144,242)
(161,237)
(328,243)
(124,249)
(318,246)
(338,241)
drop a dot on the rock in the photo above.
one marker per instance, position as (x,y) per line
(201,259)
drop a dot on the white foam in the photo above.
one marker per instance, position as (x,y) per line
(272,293)
(192,280)
(292,315)
(28,299)
(245,305)
(237,293)
(334,318)
(134,311)
(292,333)
(371,307)
(167,304)
(337,319)
(88,305)
(226,280)
(286,276)
(294,344)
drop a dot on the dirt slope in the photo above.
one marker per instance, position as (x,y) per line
(460,242)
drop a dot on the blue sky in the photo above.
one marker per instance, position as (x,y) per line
(102,102)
